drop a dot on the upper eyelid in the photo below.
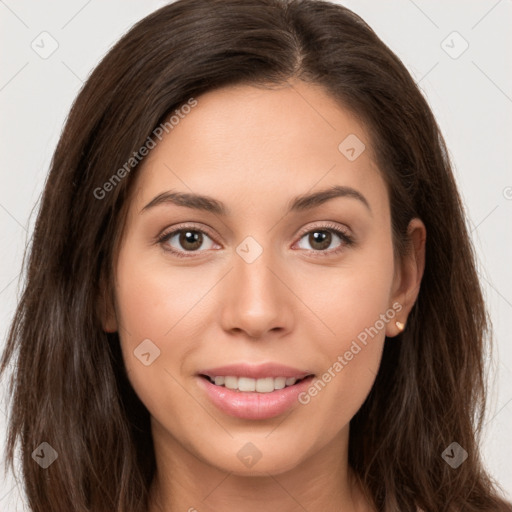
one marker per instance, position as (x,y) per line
(174,230)
(324,225)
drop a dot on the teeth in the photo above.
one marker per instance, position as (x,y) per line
(231,382)
(279,382)
(264,385)
(246,384)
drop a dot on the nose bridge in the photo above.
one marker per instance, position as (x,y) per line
(255,282)
(256,298)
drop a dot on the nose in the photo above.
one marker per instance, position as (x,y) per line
(257,299)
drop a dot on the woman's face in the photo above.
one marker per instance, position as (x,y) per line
(261,279)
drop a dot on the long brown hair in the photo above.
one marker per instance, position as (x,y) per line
(70,388)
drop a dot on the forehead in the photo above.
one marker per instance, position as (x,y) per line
(243,142)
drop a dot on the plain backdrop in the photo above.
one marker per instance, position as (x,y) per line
(459,53)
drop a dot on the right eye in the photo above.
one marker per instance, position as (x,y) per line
(184,239)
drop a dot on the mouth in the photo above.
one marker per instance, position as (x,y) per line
(254,392)
(252,385)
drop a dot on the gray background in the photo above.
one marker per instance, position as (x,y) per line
(471,96)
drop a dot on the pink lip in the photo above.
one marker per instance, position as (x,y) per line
(253,405)
(255,371)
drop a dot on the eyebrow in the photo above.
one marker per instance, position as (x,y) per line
(298,204)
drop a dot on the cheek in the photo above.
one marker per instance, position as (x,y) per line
(148,306)
(151,297)
(164,305)
(355,306)
(352,299)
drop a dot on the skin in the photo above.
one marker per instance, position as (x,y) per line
(256,149)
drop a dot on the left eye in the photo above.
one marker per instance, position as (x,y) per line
(321,238)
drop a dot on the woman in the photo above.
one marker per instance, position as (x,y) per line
(251,286)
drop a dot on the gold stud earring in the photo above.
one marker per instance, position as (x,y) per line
(400,326)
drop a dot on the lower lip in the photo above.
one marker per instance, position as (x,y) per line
(252,405)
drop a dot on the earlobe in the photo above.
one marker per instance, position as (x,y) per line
(409,275)
(394,328)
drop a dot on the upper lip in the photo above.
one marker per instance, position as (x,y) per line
(253,371)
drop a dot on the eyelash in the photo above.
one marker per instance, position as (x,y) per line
(346,239)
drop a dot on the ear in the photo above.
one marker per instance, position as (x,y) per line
(106,310)
(408,274)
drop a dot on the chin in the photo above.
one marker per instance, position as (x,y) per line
(256,457)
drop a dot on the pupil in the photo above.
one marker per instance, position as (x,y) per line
(193,238)
(320,237)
